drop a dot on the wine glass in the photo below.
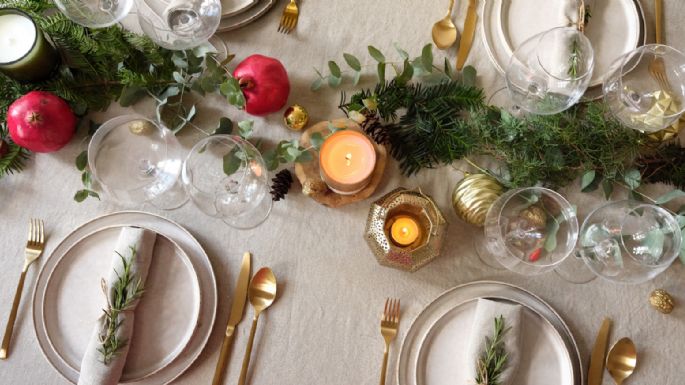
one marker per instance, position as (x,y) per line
(179,24)
(529,231)
(644,88)
(226,178)
(95,13)
(550,71)
(137,160)
(629,242)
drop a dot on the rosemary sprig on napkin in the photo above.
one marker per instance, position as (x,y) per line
(493,360)
(126,290)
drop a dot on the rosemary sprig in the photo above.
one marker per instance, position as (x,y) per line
(126,290)
(493,360)
(574,60)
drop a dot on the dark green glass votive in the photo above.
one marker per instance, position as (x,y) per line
(25,53)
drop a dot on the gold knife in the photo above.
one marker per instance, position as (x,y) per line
(239,299)
(467,35)
(596,371)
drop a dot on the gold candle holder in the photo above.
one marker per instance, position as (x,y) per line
(415,208)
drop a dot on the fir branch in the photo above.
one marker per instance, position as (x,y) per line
(665,165)
(493,360)
(120,297)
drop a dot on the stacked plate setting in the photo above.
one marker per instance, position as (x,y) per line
(438,337)
(238,13)
(172,322)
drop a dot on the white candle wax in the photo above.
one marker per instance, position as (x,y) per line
(17,35)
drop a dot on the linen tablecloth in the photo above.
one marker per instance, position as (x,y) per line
(324,328)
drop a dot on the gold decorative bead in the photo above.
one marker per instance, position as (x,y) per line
(313,187)
(535,215)
(661,301)
(473,196)
(296,117)
(141,127)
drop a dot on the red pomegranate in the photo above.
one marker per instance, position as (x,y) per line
(41,122)
(264,82)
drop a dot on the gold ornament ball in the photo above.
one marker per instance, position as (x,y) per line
(473,196)
(141,127)
(535,215)
(661,301)
(296,117)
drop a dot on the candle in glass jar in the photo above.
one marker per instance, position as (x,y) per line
(25,54)
(347,160)
(404,230)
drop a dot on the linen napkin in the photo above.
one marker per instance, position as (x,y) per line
(93,370)
(483,326)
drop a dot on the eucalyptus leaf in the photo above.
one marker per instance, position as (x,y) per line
(376,54)
(406,74)
(178,77)
(427,57)
(403,54)
(677,193)
(551,232)
(270,159)
(334,68)
(334,82)
(352,61)
(81,195)
(587,179)
(225,127)
(632,178)
(381,72)
(469,76)
(316,84)
(87,179)
(245,128)
(608,188)
(356,77)
(316,139)
(305,156)
(231,162)
(448,69)
(82,160)
(93,194)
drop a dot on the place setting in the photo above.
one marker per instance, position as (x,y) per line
(413,184)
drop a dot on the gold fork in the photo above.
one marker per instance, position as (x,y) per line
(656,67)
(289,18)
(389,325)
(34,248)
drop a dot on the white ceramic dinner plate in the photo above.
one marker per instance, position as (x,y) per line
(615,28)
(431,350)
(251,14)
(173,319)
(234,7)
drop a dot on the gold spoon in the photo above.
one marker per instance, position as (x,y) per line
(444,31)
(262,293)
(621,360)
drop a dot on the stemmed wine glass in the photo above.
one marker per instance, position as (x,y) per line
(137,160)
(226,178)
(95,13)
(529,231)
(645,88)
(550,71)
(179,24)
(629,242)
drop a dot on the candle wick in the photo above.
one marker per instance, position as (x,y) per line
(348,159)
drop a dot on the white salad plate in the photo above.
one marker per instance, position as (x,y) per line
(234,7)
(173,320)
(248,16)
(615,28)
(432,348)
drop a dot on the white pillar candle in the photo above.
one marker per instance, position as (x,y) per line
(17,37)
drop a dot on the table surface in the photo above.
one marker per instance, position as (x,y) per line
(324,327)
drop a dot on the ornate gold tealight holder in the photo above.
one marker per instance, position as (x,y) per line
(405,229)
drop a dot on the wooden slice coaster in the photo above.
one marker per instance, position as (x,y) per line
(310,177)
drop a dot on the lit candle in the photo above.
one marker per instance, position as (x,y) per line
(404,230)
(347,159)
(25,54)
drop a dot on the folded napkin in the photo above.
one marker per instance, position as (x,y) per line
(484,326)
(93,369)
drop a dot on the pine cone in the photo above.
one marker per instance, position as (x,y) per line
(281,185)
(372,127)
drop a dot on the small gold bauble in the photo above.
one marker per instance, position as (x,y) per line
(141,127)
(473,196)
(312,187)
(666,134)
(661,301)
(535,215)
(296,117)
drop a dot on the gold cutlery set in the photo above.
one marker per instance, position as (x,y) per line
(34,248)
(390,323)
(261,292)
(620,361)
(445,33)
(289,18)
